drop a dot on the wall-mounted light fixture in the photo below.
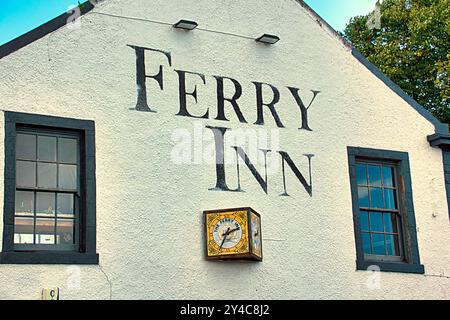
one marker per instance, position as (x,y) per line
(268,39)
(186,25)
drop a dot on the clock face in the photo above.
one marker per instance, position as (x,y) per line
(227,233)
(256,235)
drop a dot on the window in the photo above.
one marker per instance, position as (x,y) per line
(49,211)
(379,215)
(383,210)
(47,190)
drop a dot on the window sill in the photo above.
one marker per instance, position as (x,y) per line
(50,257)
(401,267)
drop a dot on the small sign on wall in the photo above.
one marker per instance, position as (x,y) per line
(50,294)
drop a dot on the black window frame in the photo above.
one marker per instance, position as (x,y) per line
(446,159)
(369,209)
(442,140)
(411,262)
(86,253)
(56,190)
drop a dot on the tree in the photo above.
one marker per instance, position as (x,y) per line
(409,41)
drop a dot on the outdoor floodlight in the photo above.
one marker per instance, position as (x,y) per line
(186,25)
(268,39)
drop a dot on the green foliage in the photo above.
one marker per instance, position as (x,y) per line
(412,47)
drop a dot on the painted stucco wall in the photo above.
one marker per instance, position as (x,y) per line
(149,222)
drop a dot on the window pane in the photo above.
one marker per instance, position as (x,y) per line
(366,243)
(45,231)
(46,148)
(65,231)
(24,203)
(65,205)
(67,177)
(390,201)
(378,244)
(46,175)
(388,176)
(390,222)
(23,230)
(67,150)
(361,174)
(26,146)
(376,221)
(363,195)
(26,174)
(364,220)
(374,175)
(376,198)
(45,204)
(392,244)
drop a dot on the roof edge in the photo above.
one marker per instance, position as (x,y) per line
(323,23)
(41,31)
(441,140)
(440,128)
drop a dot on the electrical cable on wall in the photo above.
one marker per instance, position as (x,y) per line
(171,24)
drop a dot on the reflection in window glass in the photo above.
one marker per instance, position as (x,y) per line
(45,231)
(65,205)
(376,198)
(392,244)
(374,175)
(26,147)
(47,175)
(364,217)
(23,230)
(361,174)
(45,204)
(389,199)
(376,221)
(65,231)
(67,177)
(67,150)
(24,203)
(366,243)
(26,174)
(363,195)
(388,225)
(46,148)
(388,177)
(379,247)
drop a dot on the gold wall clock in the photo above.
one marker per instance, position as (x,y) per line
(233,234)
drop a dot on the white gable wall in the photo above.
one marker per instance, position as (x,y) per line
(149,226)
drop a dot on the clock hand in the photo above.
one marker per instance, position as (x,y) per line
(226,232)
(230,232)
(224,238)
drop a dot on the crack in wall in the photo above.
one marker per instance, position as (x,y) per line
(108,280)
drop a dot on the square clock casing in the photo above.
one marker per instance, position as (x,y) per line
(233,234)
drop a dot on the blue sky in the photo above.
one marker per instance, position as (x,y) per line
(20,16)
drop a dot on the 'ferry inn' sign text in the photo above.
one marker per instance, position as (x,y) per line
(223,99)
